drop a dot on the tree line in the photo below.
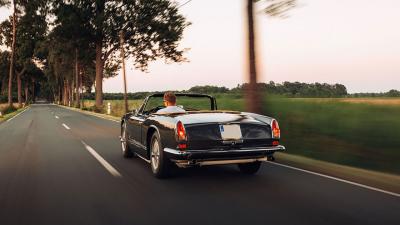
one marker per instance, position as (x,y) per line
(389,94)
(286,89)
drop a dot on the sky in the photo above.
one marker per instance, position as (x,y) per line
(352,42)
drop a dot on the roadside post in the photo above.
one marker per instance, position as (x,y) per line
(109,108)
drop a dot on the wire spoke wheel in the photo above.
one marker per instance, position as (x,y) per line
(123,139)
(155,154)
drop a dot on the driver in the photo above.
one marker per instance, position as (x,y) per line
(170,104)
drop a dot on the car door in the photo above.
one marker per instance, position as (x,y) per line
(135,133)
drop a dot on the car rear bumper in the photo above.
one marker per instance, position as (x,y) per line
(187,158)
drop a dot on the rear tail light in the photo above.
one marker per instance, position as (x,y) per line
(275,143)
(182,146)
(180,131)
(276,132)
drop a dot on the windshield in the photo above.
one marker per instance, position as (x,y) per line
(188,103)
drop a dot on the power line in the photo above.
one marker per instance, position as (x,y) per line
(184,3)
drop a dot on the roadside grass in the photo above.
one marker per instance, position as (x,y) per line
(374,101)
(117,106)
(363,133)
(7,113)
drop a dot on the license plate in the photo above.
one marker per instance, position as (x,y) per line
(230,132)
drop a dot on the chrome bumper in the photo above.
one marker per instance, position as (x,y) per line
(188,158)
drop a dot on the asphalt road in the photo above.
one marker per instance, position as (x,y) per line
(59,166)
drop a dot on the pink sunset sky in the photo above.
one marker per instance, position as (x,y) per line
(353,42)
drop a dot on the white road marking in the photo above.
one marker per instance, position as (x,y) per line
(17,115)
(66,127)
(339,179)
(57,117)
(102,161)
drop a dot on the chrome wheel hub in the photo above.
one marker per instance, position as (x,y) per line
(155,155)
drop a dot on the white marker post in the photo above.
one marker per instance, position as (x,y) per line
(109,108)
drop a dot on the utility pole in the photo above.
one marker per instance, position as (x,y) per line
(122,42)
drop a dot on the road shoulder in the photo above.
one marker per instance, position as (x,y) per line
(385,181)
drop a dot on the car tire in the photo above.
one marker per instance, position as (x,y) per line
(160,165)
(249,168)
(126,151)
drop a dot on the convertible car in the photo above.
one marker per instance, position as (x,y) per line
(200,136)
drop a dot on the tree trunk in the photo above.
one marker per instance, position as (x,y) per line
(19,86)
(81,71)
(65,96)
(68,93)
(72,88)
(71,93)
(3,86)
(60,94)
(253,103)
(33,90)
(99,75)
(26,94)
(122,41)
(77,99)
(11,74)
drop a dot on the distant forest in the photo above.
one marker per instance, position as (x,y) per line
(286,89)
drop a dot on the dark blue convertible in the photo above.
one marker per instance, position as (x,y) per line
(200,136)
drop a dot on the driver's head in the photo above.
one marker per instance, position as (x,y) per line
(169,99)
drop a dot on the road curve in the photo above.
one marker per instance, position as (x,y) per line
(59,166)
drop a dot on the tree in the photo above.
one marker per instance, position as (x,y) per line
(73,28)
(32,26)
(152,29)
(275,8)
(4,62)
(11,71)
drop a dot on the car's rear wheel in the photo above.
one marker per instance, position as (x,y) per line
(249,168)
(159,163)
(126,151)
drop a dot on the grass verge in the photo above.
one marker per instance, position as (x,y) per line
(11,114)
(87,112)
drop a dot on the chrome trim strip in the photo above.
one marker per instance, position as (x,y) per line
(188,163)
(136,118)
(186,152)
(137,144)
(146,160)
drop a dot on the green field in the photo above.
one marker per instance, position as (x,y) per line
(363,133)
